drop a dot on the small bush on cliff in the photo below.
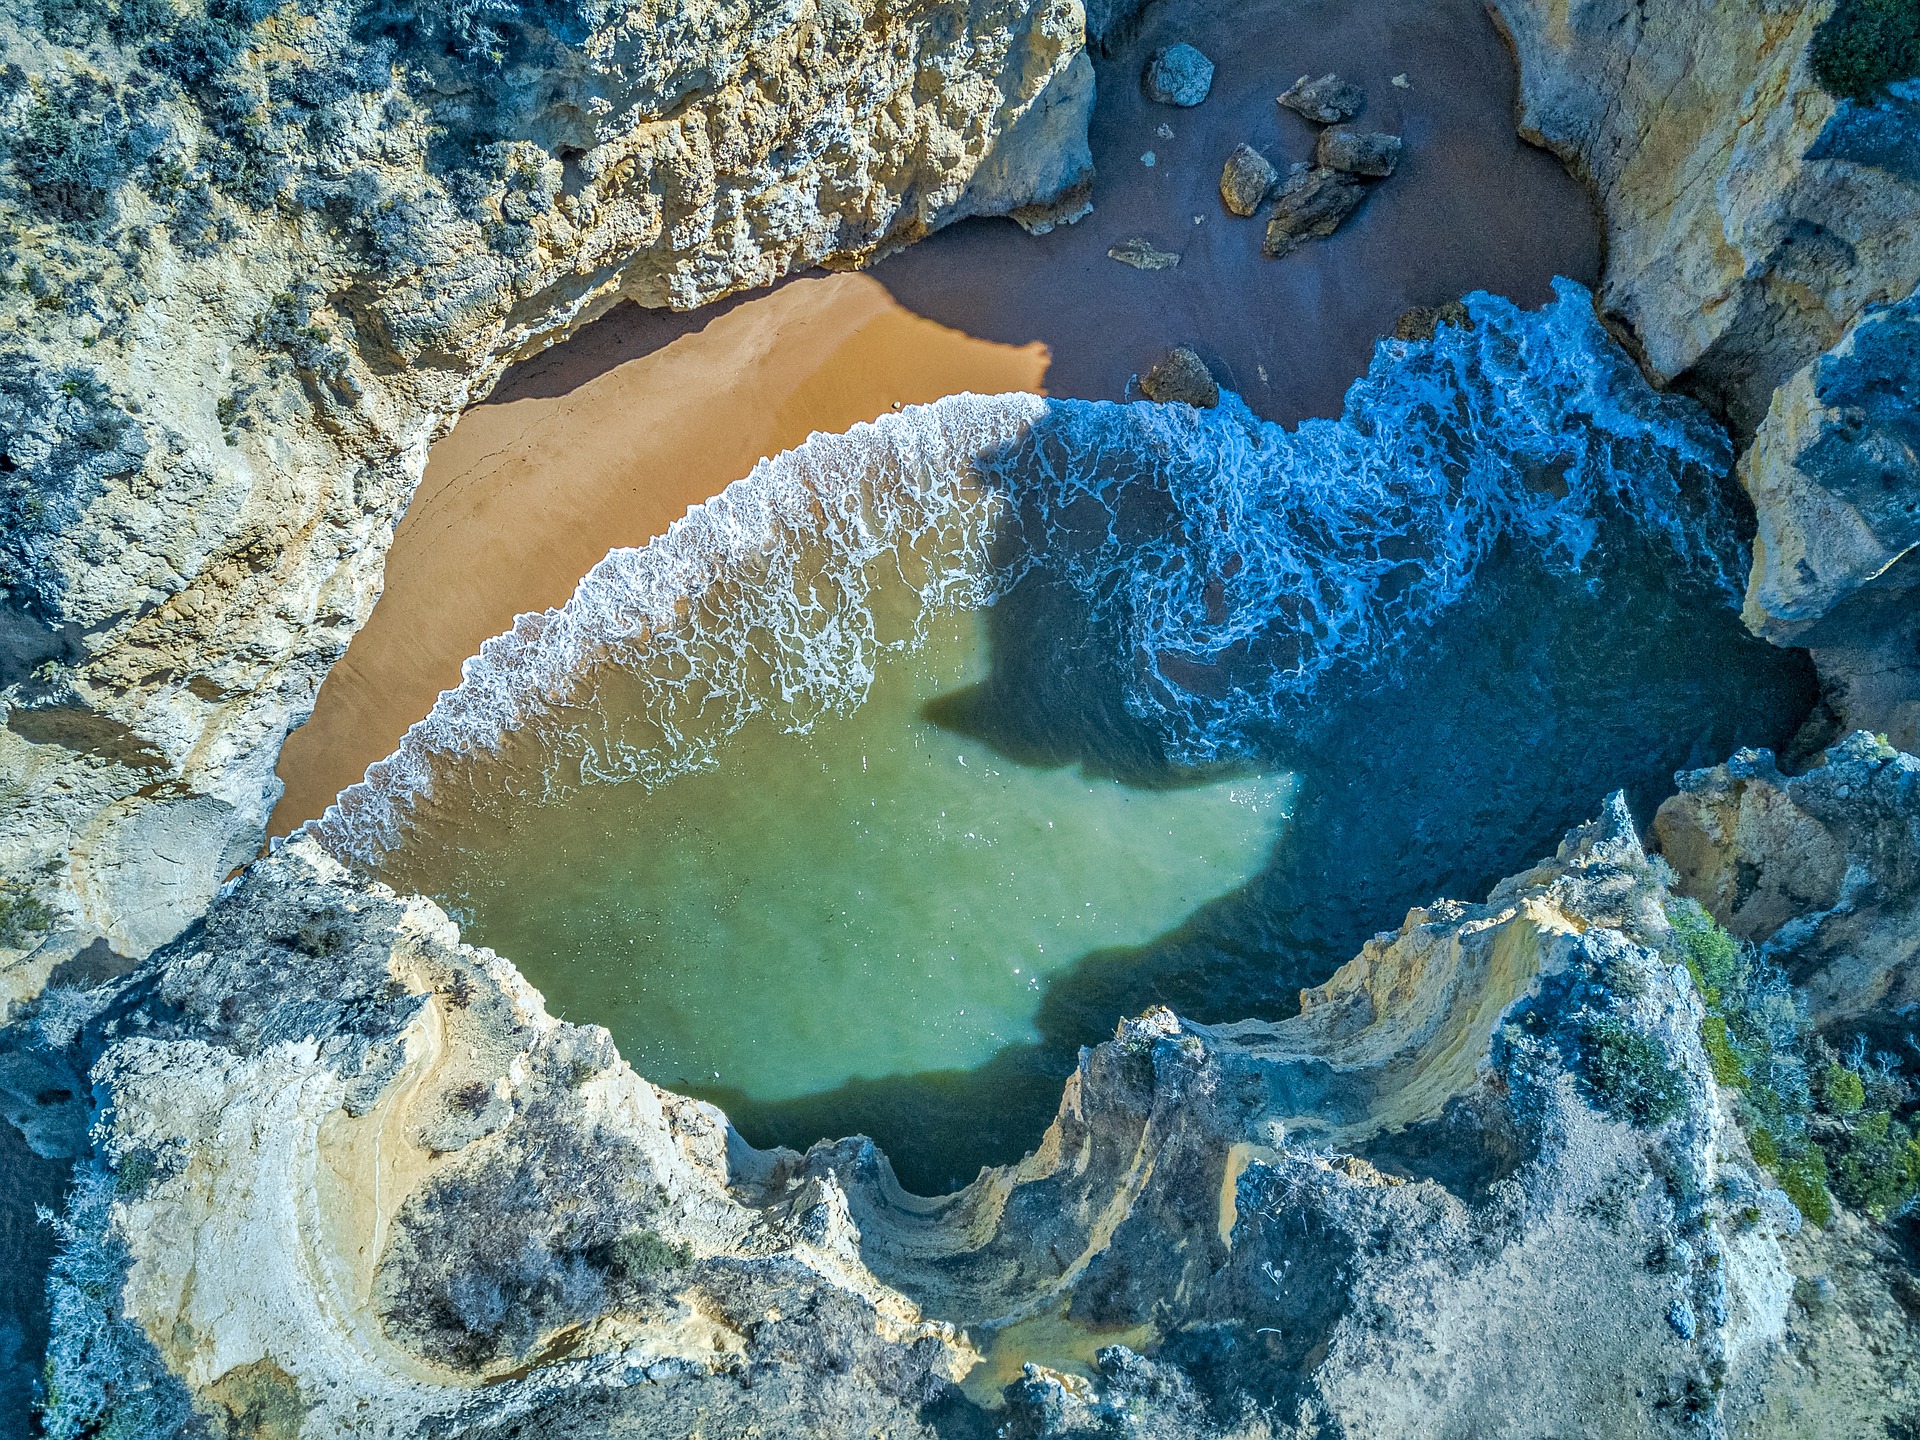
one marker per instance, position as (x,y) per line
(75,146)
(1866,45)
(24,918)
(1826,1125)
(1631,1075)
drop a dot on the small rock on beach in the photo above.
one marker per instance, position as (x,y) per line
(1178,75)
(1422,321)
(1311,205)
(1325,101)
(1143,255)
(1358,152)
(1247,180)
(1181,378)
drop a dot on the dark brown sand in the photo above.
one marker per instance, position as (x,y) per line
(1470,208)
(606,439)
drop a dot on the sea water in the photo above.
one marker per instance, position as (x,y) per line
(771,797)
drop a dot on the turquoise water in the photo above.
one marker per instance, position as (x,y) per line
(874,897)
(927,752)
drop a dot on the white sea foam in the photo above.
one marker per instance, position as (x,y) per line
(1237,562)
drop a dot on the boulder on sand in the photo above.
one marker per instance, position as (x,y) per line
(1358,152)
(1143,255)
(1326,101)
(1182,378)
(1311,205)
(1247,180)
(1178,75)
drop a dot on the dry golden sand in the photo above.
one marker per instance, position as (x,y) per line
(525,496)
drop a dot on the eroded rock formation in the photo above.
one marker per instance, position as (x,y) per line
(1822,870)
(1749,216)
(401,1190)
(258,259)
(1758,229)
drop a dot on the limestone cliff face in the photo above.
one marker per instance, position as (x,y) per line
(1760,235)
(400,1199)
(257,259)
(1749,216)
(1822,870)
(1835,477)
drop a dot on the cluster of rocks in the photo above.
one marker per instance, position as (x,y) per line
(1314,197)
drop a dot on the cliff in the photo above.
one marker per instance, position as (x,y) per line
(1821,870)
(258,259)
(1760,233)
(401,1199)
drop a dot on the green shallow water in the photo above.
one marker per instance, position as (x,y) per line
(876,897)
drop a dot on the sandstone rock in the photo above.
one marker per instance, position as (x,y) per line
(1821,870)
(1357,152)
(1422,321)
(1310,204)
(1325,101)
(1749,217)
(376,1196)
(1834,474)
(1182,378)
(1143,255)
(1246,180)
(223,368)
(1178,75)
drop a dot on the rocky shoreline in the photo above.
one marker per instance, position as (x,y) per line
(1541,1157)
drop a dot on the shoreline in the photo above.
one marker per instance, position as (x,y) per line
(572,458)
(607,438)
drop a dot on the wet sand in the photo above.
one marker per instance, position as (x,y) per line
(606,442)
(1470,208)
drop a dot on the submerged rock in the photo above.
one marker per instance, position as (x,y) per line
(1310,205)
(1325,101)
(1143,255)
(1246,180)
(1178,75)
(1368,153)
(1182,378)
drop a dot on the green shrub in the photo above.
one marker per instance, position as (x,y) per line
(1711,955)
(639,1253)
(1630,1074)
(1866,45)
(1875,1164)
(1728,1068)
(24,919)
(1842,1090)
(1803,1176)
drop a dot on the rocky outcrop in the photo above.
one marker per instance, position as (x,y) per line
(1834,473)
(1758,230)
(1749,216)
(1821,870)
(257,261)
(398,1198)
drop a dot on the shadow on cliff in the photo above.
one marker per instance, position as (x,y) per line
(1448,766)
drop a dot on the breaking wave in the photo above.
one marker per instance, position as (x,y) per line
(1237,563)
